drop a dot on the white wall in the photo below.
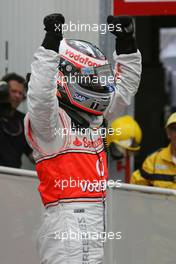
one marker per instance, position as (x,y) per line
(145,216)
(21,25)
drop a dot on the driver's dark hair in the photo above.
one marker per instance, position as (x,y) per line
(13,77)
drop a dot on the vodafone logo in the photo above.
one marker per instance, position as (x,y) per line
(81,59)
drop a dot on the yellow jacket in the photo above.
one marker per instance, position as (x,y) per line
(157,170)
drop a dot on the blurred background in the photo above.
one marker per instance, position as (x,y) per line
(22,32)
(146,219)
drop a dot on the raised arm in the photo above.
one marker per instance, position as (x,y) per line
(42,101)
(127,65)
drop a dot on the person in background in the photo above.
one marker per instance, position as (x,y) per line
(123,143)
(12,139)
(159,168)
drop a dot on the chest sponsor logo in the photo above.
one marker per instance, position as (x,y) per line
(96,186)
(77,142)
(87,143)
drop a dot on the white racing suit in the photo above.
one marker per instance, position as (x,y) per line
(71,166)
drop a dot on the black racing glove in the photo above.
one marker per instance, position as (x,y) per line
(53,26)
(123,28)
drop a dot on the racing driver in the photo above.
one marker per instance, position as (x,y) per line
(63,126)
